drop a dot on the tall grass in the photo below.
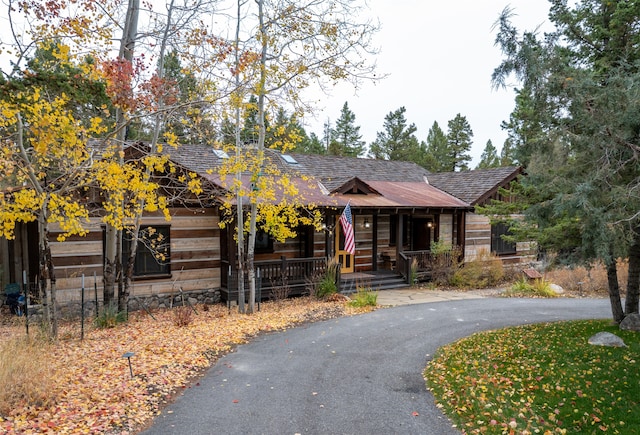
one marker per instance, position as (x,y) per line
(109,317)
(591,280)
(328,284)
(364,297)
(531,288)
(26,376)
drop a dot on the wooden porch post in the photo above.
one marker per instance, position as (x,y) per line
(374,251)
(399,237)
(462,229)
(328,236)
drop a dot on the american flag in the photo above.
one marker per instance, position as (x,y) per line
(347,228)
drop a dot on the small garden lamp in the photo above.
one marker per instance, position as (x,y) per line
(128,356)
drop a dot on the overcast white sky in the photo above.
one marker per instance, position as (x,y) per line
(439,56)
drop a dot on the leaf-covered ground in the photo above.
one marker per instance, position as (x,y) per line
(94,392)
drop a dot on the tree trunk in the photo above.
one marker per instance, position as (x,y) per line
(260,153)
(47,273)
(126,277)
(614,290)
(239,145)
(43,278)
(251,253)
(128,265)
(241,259)
(113,257)
(110,258)
(633,279)
(54,298)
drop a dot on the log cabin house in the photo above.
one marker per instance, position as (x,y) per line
(398,210)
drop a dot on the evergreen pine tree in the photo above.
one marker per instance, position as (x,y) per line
(435,159)
(397,141)
(489,157)
(507,153)
(346,139)
(459,143)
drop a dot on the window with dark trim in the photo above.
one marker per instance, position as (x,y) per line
(153,256)
(498,245)
(264,243)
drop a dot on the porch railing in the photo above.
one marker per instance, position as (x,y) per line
(294,273)
(424,261)
(292,269)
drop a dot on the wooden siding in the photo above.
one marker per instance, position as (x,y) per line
(195,257)
(446,229)
(478,236)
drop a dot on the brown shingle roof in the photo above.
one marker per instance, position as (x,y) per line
(475,186)
(399,184)
(334,171)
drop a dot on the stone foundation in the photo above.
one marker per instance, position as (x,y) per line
(206,297)
(71,309)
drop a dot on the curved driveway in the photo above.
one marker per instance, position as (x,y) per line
(353,375)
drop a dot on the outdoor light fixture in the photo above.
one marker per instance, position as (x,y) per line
(366,223)
(128,356)
(327,228)
(430,224)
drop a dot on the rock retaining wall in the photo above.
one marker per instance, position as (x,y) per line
(71,309)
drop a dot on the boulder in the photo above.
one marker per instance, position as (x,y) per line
(556,289)
(606,339)
(631,322)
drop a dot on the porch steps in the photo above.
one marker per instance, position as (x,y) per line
(349,283)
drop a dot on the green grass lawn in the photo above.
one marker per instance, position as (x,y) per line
(542,379)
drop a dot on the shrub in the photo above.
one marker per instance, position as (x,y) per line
(182,316)
(25,374)
(587,280)
(312,283)
(413,272)
(535,288)
(329,282)
(445,262)
(326,287)
(542,287)
(280,288)
(109,317)
(484,271)
(364,297)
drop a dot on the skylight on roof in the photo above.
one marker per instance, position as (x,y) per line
(287,158)
(221,154)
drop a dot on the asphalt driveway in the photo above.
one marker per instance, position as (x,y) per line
(353,375)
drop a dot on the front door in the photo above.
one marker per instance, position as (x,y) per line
(421,230)
(345,259)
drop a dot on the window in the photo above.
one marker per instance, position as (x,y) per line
(289,159)
(264,243)
(498,245)
(153,254)
(221,154)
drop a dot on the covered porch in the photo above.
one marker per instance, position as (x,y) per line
(388,242)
